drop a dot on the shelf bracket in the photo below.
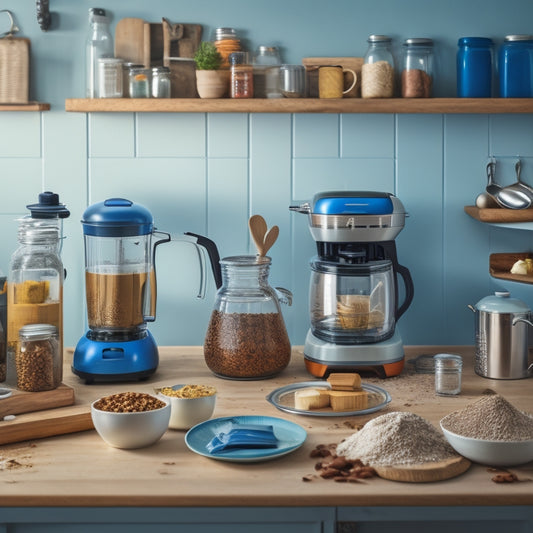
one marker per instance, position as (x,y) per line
(44,17)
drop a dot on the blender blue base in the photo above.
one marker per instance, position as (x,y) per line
(115,361)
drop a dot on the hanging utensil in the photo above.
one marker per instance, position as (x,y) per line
(510,199)
(520,185)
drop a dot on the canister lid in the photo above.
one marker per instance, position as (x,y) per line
(501,302)
(509,38)
(48,206)
(475,41)
(117,217)
(379,39)
(418,41)
(37,331)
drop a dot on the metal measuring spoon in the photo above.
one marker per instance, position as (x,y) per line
(510,199)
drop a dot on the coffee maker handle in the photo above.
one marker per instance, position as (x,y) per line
(214,258)
(150,294)
(409,289)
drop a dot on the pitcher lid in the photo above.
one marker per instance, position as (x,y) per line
(501,302)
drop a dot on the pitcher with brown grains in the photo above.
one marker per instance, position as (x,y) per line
(246,338)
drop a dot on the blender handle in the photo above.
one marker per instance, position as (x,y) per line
(214,257)
(409,289)
(151,283)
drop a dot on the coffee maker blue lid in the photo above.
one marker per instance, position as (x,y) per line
(117,217)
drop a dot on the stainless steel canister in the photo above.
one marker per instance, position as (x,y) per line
(502,350)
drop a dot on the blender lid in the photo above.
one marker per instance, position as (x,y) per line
(117,217)
(353,203)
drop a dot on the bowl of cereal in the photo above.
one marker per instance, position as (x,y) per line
(130,419)
(189,404)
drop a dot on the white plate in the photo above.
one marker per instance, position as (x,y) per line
(283,399)
(290,436)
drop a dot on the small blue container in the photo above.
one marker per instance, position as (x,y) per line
(515,61)
(474,67)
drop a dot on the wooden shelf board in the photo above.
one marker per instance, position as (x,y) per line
(499,215)
(500,266)
(30,106)
(300,105)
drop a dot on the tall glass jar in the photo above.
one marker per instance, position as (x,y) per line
(246,337)
(161,82)
(35,280)
(417,69)
(267,64)
(377,73)
(242,76)
(99,44)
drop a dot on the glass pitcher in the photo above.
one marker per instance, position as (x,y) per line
(246,337)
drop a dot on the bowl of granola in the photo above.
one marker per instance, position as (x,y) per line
(130,419)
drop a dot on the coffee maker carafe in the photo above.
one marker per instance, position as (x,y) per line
(353,293)
(120,286)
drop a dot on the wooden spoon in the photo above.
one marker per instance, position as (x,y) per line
(270,238)
(258,229)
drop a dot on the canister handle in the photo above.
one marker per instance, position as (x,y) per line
(284,295)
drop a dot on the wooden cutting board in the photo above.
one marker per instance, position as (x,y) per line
(26,402)
(129,40)
(425,472)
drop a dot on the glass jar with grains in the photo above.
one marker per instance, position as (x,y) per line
(417,68)
(377,73)
(246,337)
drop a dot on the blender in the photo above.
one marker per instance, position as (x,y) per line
(353,293)
(120,286)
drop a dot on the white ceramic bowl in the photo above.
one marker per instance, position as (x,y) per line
(491,452)
(131,430)
(187,412)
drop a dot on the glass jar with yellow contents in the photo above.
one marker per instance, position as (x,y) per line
(139,82)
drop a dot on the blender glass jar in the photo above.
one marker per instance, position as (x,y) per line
(246,337)
(352,303)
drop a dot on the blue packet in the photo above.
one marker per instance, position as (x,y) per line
(242,436)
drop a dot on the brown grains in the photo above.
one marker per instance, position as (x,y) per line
(416,83)
(246,345)
(129,402)
(35,366)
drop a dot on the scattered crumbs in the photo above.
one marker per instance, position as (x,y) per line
(9,417)
(169,463)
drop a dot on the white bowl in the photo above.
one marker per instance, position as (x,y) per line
(187,412)
(491,452)
(131,430)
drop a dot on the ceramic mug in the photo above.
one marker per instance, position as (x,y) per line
(331,81)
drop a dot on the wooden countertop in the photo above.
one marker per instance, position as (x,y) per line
(81,470)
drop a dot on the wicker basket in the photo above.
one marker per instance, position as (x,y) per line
(14,70)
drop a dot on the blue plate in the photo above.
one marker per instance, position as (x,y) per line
(290,436)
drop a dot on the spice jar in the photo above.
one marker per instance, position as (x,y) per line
(126,67)
(246,337)
(242,81)
(377,73)
(110,77)
(39,361)
(160,82)
(515,62)
(417,71)
(267,64)
(474,67)
(448,369)
(139,79)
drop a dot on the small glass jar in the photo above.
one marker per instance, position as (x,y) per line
(267,64)
(474,67)
(515,64)
(246,337)
(110,77)
(39,361)
(448,370)
(242,76)
(417,71)
(377,73)
(139,82)
(226,42)
(160,82)
(126,67)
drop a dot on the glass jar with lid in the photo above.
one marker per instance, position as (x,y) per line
(39,361)
(160,82)
(267,62)
(377,73)
(515,63)
(139,82)
(417,68)
(226,42)
(246,337)
(36,274)
(242,76)
(110,77)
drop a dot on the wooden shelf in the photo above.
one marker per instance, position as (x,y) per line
(500,215)
(30,106)
(500,267)
(300,105)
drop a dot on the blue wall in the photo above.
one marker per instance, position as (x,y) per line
(207,173)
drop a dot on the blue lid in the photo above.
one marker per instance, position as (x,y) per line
(352,203)
(502,302)
(117,217)
(48,207)
(474,41)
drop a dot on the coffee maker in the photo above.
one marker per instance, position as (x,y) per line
(120,285)
(353,293)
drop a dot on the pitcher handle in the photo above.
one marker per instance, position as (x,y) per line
(150,288)
(284,295)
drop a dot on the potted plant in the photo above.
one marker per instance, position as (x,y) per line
(211,82)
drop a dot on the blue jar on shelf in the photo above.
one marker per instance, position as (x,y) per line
(474,67)
(515,61)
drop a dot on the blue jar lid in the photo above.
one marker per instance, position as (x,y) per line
(474,41)
(502,302)
(117,217)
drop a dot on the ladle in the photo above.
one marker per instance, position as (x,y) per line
(510,199)
(520,186)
